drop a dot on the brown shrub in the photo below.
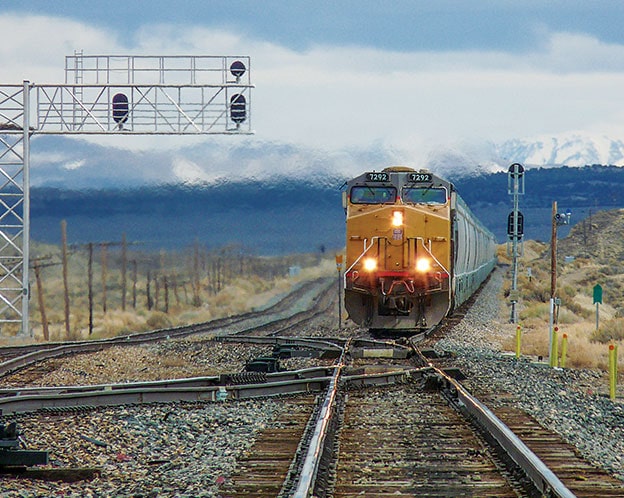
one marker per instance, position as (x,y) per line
(158,320)
(611,330)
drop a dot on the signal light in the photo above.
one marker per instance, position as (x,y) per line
(370,264)
(423,265)
(237,68)
(397,218)
(238,108)
(519,226)
(120,109)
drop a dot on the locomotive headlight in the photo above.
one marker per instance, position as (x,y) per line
(397,218)
(370,264)
(423,265)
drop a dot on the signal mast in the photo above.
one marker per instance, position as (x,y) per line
(105,95)
(515,231)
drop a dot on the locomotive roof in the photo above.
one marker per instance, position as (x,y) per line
(400,175)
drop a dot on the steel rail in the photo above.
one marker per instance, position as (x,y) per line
(133,395)
(310,465)
(139,337)
(283,341)
(200,389)
(542,477)
(217,380)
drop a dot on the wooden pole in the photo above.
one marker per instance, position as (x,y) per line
(103,255)
(156,291)
(44,319)
(65,279)
(90,284)
(148,290)
(196,301)
(124,263)
(134,283)
(166,284)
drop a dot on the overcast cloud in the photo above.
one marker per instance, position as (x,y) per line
(321,91)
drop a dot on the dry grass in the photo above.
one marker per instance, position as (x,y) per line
(587,348)
(229,283)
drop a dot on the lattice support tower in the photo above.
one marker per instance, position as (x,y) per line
(119,95)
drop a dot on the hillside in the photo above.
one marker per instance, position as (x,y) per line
(587,187)
(598,238)
(289,215)
(591,254)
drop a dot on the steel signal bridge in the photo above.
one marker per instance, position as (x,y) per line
(106,95)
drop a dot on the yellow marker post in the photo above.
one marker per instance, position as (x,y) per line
(554,347)
(564,349)
(518,340)
(612,370)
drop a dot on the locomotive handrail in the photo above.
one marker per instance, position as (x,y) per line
(357,260)
(428,250)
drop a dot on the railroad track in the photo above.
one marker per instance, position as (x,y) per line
(345,435)
(574,472)
(579,476)
(17,357)
(423,436)
(375,423)
(427,449)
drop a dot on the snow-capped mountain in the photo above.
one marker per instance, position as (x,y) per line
(76,164)
(568,150)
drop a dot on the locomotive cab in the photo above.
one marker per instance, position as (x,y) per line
(398,264)
(414,250)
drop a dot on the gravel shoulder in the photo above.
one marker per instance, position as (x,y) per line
(569,402)
(181,450)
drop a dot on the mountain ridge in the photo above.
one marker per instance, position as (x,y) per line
(70,163)
(291,215)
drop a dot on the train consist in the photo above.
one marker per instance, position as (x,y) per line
(414,250)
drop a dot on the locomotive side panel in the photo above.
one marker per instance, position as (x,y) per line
(475,252)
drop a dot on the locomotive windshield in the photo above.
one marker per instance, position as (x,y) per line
(373,195)
(424,195)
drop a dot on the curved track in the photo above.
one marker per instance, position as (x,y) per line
(308,295)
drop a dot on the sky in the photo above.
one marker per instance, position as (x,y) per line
(404,75)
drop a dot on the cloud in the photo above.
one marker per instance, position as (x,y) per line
(341,99)
(34,47)
(74,165)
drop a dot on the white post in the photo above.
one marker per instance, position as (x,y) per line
(26,213)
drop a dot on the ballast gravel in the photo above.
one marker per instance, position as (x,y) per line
(162,450)
(189,450)
(566,401)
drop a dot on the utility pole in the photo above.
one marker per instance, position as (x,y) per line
(557,219)
(65,279)
(37,265)
(104,264)
(90,285)
(124,265)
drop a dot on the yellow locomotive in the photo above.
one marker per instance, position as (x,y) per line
(414,250)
